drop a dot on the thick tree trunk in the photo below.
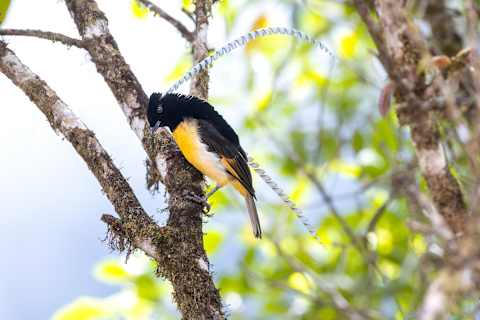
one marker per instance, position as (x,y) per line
(183,260)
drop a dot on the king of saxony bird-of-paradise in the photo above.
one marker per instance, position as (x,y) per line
(208,143)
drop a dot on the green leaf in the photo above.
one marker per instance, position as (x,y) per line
(4,5)
(139,10)
(111,271)
(212,241)
(188,5)
(299,282)
(300,190)
(264,102)
(182,66)
(228,11)
(344,168)
(82,309)
(357,141)
(349,45)
(147,288)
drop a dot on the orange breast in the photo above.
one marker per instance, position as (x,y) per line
(195,151)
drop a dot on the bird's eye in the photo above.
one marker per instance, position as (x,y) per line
(160,109)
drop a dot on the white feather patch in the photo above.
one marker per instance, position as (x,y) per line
(211,157)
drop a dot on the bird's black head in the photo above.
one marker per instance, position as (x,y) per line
(154,117)
(170,109)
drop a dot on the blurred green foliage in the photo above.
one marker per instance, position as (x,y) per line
(139,11)
(141,295)
(316,129)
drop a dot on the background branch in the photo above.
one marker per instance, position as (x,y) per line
(189,36)
(401,49)
(52,36)
(409,55)
(446,38)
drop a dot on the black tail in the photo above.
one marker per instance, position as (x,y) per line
(252,212)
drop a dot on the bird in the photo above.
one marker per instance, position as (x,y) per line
(207,142)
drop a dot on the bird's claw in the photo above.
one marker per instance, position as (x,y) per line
(206,211)
(201,201)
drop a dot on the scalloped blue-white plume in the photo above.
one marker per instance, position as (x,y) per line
(242,41)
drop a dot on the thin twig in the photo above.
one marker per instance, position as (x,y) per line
(329,201)
(378,214)
(52,36)
(188,35)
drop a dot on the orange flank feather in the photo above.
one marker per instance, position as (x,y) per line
(236,183)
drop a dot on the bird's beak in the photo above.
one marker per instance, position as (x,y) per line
(155,127)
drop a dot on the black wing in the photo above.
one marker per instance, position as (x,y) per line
(232,153)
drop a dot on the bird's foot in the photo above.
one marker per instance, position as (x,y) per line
(201,201)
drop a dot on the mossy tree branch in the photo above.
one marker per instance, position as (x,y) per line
(137,224)
(182,258)
(47,35)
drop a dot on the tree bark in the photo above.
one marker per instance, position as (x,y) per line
(182,258)
(406,58)
(401,50)
(446,38)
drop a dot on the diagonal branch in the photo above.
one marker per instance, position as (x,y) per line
(188,35)
(184,261)
(63,120)
(52,36)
